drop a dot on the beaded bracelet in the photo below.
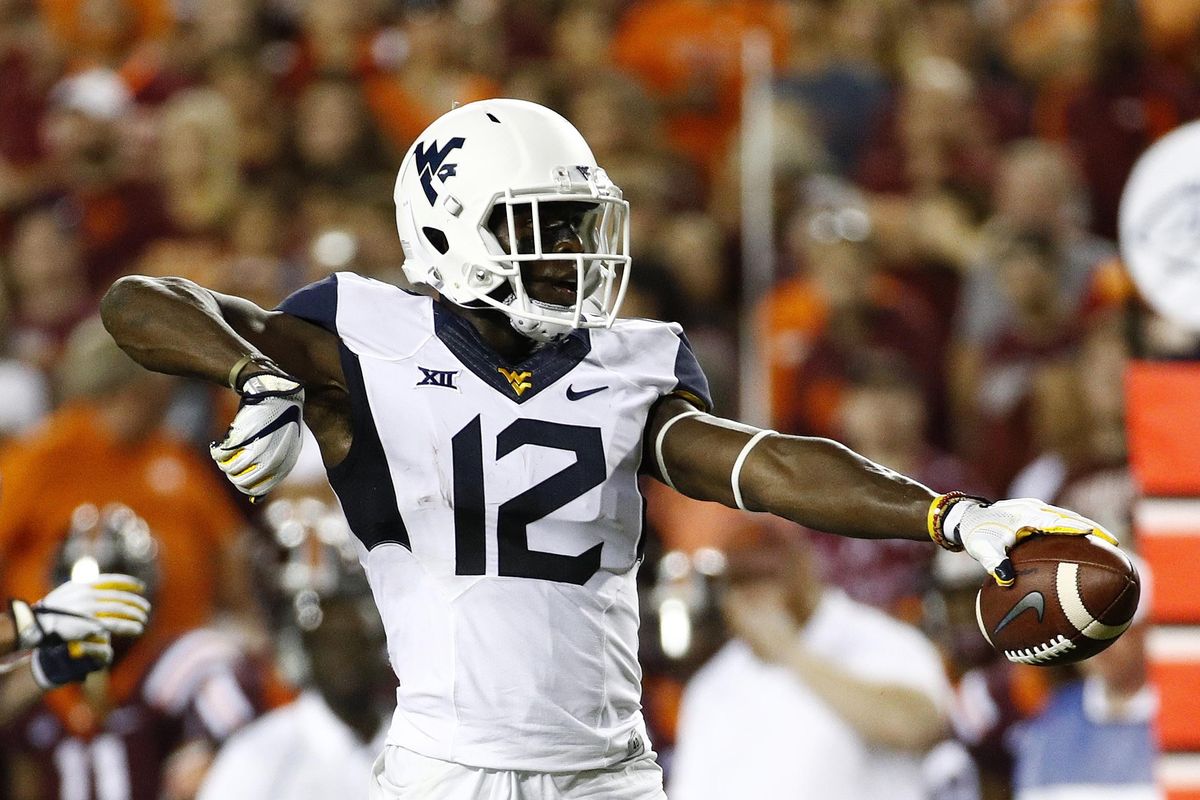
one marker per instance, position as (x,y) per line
(936,519)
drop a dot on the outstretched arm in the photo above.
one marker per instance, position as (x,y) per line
(816,482)
(825,485)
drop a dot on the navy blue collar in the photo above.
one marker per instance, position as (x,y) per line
(517,381)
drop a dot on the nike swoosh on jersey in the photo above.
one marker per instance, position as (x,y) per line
(292,414)
(574,395)
(1033,600)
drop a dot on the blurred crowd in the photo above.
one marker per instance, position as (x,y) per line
(948,300)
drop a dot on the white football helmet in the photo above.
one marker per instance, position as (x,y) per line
(511,153)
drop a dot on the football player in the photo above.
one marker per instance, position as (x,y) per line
(66,635)
(322,745)
(139,730)
(486,436)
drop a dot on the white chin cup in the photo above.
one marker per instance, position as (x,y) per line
(540,330)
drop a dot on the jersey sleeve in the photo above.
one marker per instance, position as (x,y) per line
(315,303)
(690,381)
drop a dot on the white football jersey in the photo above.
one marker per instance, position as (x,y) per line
(501,522)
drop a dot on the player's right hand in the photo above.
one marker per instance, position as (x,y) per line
(988,530)
(83,611)
(262,445)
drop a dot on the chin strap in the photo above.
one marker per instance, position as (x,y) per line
(537,329)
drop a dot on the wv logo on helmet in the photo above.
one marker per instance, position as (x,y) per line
(432,162)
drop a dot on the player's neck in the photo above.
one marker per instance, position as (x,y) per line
(498,333)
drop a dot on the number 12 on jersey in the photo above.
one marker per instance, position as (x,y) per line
(514,557)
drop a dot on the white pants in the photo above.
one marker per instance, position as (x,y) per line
(401,774)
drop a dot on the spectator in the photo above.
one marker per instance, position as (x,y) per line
(1068,748)
(262,116)
(840,304)
(580,45)
(1038,191)
(49,289)
(842,96)
(199,176)
(431,76)
(88,131)
(324,744)
(817,696)
(991,694)
(1012,380)
(29,64)
(1084,460)
(690,250)
(105,32)
(336,145)
(938,137)
(1125,101)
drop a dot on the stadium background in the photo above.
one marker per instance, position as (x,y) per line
(891,222)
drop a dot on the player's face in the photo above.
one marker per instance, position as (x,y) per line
(563,231)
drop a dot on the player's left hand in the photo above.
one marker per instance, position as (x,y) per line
(987,530)
(262,445)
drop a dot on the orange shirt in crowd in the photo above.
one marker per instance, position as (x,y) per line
(71,461)
(791,318)
(678,48)
(401,116)
(151,19)
(134,51)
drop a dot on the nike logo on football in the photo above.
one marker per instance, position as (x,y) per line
(1032,600)
(574,395)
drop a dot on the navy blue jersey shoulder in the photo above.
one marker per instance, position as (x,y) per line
(362,480)
(689,377)
(316,303)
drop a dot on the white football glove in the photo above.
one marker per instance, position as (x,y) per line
(83,611)
(262,445)
(987,530)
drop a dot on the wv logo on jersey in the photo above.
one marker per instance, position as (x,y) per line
(519,381)
(432,163)
(437,377)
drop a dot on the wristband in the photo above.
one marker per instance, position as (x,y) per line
(237,368)
(235,371)
(935,520)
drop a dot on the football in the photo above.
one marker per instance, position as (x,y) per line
(1072,597)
